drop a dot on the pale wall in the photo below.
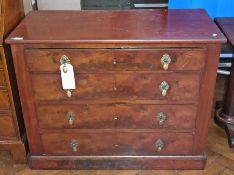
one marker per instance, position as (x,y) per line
(53,5)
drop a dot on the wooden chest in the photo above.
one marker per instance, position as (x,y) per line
(144,87)
(12,131)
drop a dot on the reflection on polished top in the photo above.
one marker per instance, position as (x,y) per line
(149,26)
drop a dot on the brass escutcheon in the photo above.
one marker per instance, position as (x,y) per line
(159,144)
(161,118)
(64,61)
(71,118)
(164,86)
(74,145)
(165,61)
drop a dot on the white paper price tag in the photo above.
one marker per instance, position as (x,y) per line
(68,78)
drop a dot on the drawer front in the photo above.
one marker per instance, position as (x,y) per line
(148,86)
(118,116)
(117,143)
(120,86)
(6,126)
(2,78)
(116,60)
(88,86)
(4,100)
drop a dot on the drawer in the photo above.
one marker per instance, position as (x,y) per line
(6,126)
(2,78)
(88,86)
(4,100)
(119,86)
(101,60)
(180,86)
(98,143)
(108,116)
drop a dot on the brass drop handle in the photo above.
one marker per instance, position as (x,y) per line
(159,144)
(65,69)
(71,118)
(161,118)
(74,145)
(69,93)
(165,61)
(164,86)
(64,61)
(114,61)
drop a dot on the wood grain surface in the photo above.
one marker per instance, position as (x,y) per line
(2,78)
(117,26)
(101,60)
(129,88)
(220,157)
(4,100)
(7,129)
(95,143)
(116,116)
(12,130)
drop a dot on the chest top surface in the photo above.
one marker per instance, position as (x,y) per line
(227,26)
(117,26)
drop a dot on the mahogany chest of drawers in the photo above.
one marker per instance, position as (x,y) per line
(144,87)
(12,131)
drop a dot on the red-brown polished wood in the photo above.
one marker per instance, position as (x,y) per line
(118,71)
(101,60)
(143,86)
(225,116)
(118,116)
(120,26)
(117,143)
